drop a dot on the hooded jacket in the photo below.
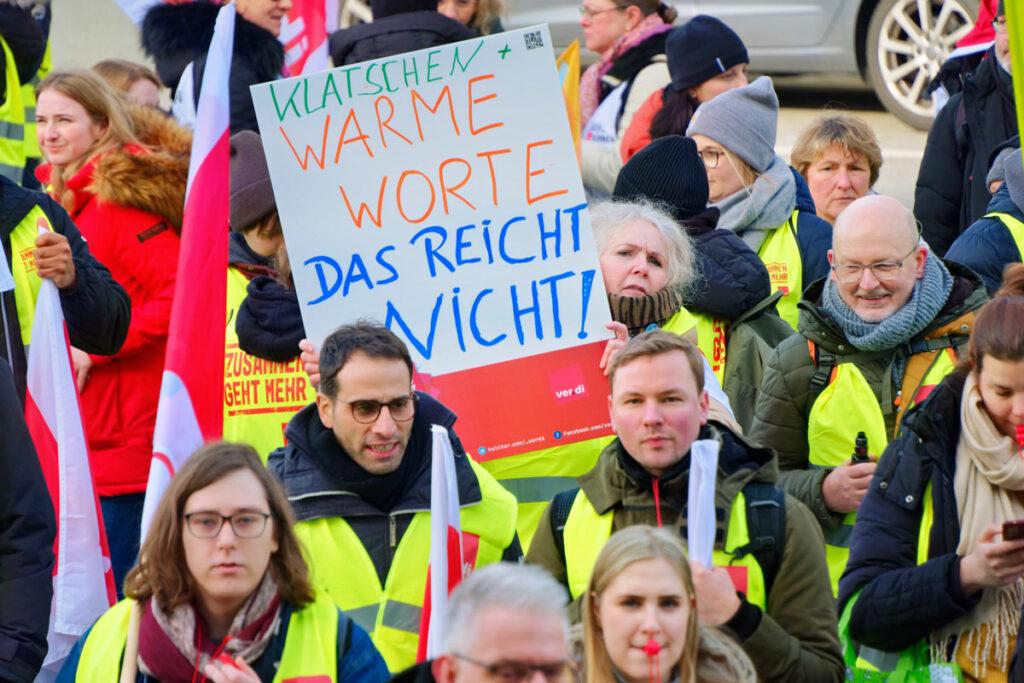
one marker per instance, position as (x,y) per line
(901,601)
(315,493)
(784,406)
(96,308)
(987,247)
(813,234)
(951,191)
(128,204)
(175,35)
(269,323)
(394,34)
(27,530)
(796,640)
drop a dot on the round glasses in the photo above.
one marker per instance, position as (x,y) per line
(589,14)
(401,409)
(883,270)
(711,157)
(209,524)
(514,671)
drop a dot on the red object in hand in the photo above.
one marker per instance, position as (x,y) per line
(226,660)
(652,648)
(1020,435)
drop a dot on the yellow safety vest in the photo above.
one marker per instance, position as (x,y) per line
(28,96)
(847,406)
(310,646)
(1015,227)
(780,254)
(340,565)
(586,533)
(710,336)
(260,396)
(23,268)
(12,122)
(912,665)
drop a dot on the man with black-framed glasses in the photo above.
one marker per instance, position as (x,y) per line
(357,470)
(873,339)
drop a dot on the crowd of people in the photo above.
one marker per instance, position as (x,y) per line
(857,364)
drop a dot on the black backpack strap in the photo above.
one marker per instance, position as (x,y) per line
(561,504)
(824,361)
(766,528)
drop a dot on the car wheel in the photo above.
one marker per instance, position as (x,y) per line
(907,42)
(354,12)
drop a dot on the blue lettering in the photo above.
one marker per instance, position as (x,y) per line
(552,282)
(545,235)
(458,319)
(588,287)
(501,242)
(574,212)
(428,247)
(387,266)
(319,263)
(393,316)
(518,313)
(461,244)
(475,329)
(356,272)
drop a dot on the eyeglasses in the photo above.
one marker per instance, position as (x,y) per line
(209,524)
(711,157)
(513,671)
(589,14)
(999,25)
(884,270)
(401,409)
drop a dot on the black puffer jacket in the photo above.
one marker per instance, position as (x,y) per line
(269,322)
(987,247)
(176,35)
(27,529)
(900,601)
(395,34)
(96,308)
(951,191)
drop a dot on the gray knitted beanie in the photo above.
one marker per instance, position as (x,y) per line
(743,120)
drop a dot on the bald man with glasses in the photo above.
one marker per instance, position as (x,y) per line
(873,339)
(357,471)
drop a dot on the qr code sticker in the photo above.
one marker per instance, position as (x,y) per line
(534,39)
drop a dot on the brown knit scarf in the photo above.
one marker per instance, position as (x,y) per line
(639,312)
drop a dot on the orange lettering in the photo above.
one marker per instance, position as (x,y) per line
(530,199)
(304,161)
(445,92)
(398,196)
(386,123)
(490,167)
(446,190)
(363,207)
(362,137)
(478,100)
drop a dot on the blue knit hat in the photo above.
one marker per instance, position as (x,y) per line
(701,49)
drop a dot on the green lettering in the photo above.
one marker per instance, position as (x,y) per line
(370,81)
(330,88)
(387,81)
(415,71)
(290,104)
(305,98)
(464,67)
(431,65)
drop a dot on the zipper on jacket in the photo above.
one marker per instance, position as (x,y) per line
(392,532)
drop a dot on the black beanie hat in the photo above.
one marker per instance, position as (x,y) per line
(387,8)
(701,49)
(667,171)
(251,196)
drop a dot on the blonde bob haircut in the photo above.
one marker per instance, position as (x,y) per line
(162,573)
(104,106)
(848,132)
(708,655)
(609,220)
(121,74)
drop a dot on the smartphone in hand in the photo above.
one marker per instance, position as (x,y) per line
(1013,530)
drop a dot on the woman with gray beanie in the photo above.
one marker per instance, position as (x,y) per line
(761,198)
(705,59)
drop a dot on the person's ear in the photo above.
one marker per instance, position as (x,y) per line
(595,606)
(443,669)
(919,260)
(325,407)
(633,16)
(704,404)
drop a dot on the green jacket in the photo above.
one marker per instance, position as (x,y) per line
(784,405)
(797,639)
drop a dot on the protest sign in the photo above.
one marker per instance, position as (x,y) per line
(438,192)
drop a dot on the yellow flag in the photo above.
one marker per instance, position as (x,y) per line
(569,72)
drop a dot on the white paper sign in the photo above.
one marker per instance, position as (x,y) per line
(700,518)
(6,279)
(438,192)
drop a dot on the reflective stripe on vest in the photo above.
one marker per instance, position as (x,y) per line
(23,269)
(260,396)
(780,254)
(12,122)
(340,565)
(912,664)
(586,531)
(28,96)
(847,406)
(310,646)
(1015,227)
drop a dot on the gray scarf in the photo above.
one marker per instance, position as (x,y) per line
(929,296)
(763,206)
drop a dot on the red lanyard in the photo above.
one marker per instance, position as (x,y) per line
(651,649)
(199,652)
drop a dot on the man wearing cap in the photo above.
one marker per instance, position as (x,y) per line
(951,190)
(737,324)
(261,393)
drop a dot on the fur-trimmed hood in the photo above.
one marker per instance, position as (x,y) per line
(174,35)
(153,180)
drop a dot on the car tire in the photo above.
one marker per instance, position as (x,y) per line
(904,52)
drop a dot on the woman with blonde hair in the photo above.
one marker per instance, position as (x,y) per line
(640,617)
(120,172)
(137,83)
(481,16)
(222,593)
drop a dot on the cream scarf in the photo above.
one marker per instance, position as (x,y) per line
(989,473)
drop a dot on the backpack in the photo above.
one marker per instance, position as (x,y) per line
(766,526)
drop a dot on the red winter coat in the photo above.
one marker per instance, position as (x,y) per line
(128,205)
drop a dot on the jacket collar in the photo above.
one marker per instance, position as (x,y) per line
(15,203)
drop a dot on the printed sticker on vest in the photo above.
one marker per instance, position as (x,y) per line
(28,259)
(256,386)
(778,271)
(717,359)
